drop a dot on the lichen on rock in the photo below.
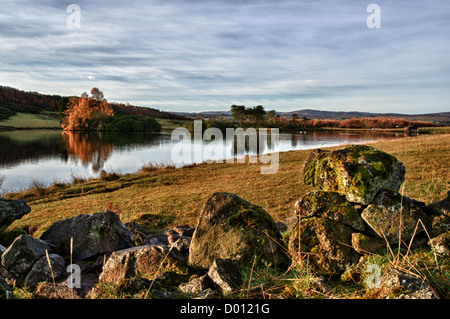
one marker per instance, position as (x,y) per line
(394,217)
(358,172)
(330,205)
(326,244)
(230,227)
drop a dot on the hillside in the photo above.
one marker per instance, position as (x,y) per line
(334,115)
(442,118)
(14,101)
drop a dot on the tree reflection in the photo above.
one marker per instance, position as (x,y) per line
(91,148)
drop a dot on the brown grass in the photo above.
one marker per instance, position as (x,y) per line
(180,193)
(165,197)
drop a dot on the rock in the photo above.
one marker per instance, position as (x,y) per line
(439,213)
(440,224)
(358,172)
(225,275)
(93,235)
(139,261)
(325,243)
(441,243)
(159,239)
(136,286)
(396,284)
(170,280)
(182,243)
(197,285)
(2,250)
(6,274)
(440,207)
(47,290)
(320,284)
(11,210)
(286,225)
(230,227)
(184,230)
(172,239)
(42,272)
(391,215)
(364,244)
(23,253)
(329,205)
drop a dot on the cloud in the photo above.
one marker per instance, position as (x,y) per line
(206,55)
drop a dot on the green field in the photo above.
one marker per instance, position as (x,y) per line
(50,120)
(45,120)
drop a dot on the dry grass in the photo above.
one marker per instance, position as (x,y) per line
(181,192)
(170,197)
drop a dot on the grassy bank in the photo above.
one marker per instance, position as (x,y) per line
(50,120)
(180,193)
(45,120)
(175,197)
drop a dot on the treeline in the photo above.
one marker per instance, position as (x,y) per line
(13,101)
(370,122)
(127,109)
(257,116)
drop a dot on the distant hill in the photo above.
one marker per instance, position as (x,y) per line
(13,101)
(443,117)
(336,115)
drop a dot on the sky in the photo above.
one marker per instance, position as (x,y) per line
(205,55)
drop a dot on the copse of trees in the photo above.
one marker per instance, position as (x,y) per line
(87,113)
(251,116)
(92,113)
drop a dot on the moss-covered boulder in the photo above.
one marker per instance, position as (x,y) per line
(393,217)
(92,235)
(329,205)
(358,172)
(325,244)
(23,253)
(230,227)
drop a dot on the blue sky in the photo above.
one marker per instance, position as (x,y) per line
(198,55)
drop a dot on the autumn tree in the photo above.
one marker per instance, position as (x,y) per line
(97,94)
(87,113)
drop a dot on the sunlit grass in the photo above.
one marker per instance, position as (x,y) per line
(182,192)
(162,197)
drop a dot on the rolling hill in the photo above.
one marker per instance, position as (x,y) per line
(443,117)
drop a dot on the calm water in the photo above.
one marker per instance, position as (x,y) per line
(49,156)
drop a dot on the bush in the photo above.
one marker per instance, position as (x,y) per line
(133,123)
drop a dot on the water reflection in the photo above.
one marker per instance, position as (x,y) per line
(52,155)
(91,148)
